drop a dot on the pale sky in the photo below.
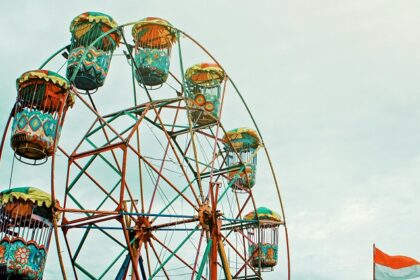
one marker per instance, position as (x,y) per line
(333,87)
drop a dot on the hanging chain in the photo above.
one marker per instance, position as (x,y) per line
(11,172)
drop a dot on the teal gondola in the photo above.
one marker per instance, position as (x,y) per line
(154,38)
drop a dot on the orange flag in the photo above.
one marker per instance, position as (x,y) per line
(394,267)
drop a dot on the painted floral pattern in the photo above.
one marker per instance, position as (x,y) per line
(22,255)
(23,259)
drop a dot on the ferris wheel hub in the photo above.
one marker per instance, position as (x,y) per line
(142,229)
(207,216)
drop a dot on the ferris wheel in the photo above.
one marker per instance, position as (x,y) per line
(164,186)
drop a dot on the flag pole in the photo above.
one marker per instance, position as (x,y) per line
(374,261)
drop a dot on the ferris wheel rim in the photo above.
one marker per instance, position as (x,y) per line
(119,29)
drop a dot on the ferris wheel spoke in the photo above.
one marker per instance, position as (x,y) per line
(149,270)
(164,178)
(130,250)
(236,221)
(198,253)
(197,172)
(139,162)
(164,197)
(169,204)
(158,260)
(246,262)
(88,221)
(205,258)
(173,253)
(236,212)
(242,238)
(184,153)
(170,142)
(244,266)
(241,208)
(229,186)
(158,178)
(218,125)
(175,223)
